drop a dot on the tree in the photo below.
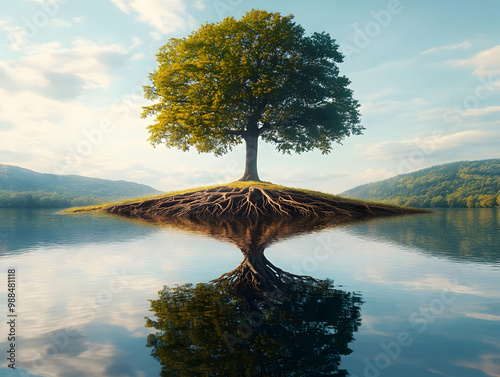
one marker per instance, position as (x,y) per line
(438,201)
(487,201)
(239,80)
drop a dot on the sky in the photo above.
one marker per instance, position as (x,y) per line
(426,73)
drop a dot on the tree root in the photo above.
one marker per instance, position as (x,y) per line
(257,274)
(252,218)
(250,202)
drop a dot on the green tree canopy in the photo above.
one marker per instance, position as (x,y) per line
(239,80)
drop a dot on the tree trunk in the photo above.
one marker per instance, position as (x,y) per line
(251,174)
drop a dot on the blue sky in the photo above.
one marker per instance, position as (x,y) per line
(427,76)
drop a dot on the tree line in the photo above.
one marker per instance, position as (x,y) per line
(9,198)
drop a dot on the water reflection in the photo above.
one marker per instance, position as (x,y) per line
(256,320)
(465,234)
(24,228)
(211,330)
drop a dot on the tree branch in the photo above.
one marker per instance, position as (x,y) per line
(235,132)
(265,126)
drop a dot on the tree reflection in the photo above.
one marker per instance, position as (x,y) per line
(256,320)
(460,234)
(211,330)
(256,273)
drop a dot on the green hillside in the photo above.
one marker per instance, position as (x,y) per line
(25,188)
(459,184)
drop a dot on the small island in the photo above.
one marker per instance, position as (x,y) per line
(252,201)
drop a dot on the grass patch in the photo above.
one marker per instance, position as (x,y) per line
(236,184)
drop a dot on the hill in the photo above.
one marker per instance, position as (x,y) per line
(21,187)
(458,184)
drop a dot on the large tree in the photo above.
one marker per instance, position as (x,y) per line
(238,80)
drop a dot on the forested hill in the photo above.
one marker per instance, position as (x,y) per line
(26,188)
(459,184)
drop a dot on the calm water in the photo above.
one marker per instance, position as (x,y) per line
(429,285)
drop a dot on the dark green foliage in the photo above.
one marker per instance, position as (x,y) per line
(209,330)
(459,184)
(25,188)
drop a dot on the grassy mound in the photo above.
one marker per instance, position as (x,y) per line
(247,200)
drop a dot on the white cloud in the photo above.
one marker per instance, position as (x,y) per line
(200,4)
(487,364)
(63,72)
(430,282)
(481,111)
(15,35)
(79,19)
(433,113)
(420,101)
(441,112)
(183,177)
(138,56)
(135,42)
(90,357)
(44,130)
(58,22)
(393,150)
(456,46)
(167,16)
(484,316)
(381,107)
(42,127)
(370,175)
(485,63)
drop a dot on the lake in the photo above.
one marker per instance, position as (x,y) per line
(427,291)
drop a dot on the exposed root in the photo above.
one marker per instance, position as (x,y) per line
(250,202)
(256,274)
(253,218)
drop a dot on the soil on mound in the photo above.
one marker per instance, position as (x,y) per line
(251,202)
